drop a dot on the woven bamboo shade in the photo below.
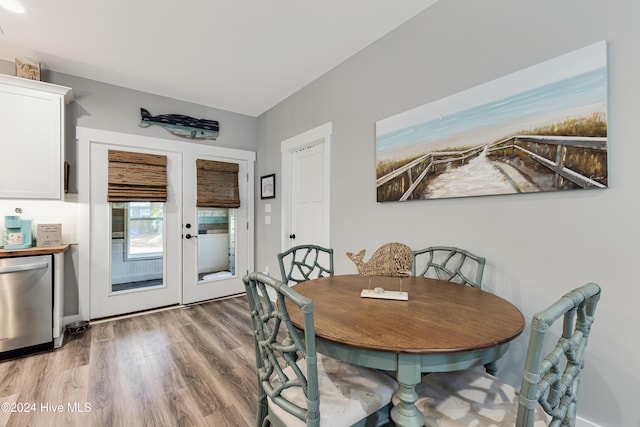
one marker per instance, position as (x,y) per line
(137,177)
(217,184)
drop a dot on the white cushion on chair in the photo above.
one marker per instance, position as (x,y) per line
(469,398)
(348,393)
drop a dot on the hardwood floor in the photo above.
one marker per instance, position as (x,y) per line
(179,367)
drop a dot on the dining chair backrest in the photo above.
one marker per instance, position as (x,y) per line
(294,382)
(278,345)
(549,391)
(449,263)
(552,379)
(305,262)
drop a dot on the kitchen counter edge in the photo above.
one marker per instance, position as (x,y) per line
(48,250)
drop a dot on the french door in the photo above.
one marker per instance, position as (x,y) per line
(213,238)
(146,255)
(123,277)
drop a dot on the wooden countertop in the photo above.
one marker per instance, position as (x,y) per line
(6,253)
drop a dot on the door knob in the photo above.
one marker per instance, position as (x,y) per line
(292,236)
(188,236)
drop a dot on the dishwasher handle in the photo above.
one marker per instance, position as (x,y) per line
(24,267)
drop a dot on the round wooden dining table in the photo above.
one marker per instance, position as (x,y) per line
(443,326)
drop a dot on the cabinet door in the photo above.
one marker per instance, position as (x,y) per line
(30,143)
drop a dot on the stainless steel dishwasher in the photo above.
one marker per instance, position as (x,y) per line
(26,305)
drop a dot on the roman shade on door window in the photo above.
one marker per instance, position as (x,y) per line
(217,184)
(137,177)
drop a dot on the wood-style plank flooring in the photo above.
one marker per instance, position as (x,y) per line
(178,367)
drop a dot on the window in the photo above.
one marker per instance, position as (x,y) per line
(140,224)
(216,243)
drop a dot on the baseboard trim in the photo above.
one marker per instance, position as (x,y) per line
(581,422)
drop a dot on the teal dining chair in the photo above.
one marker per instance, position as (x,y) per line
(549,391)
(305,262)
(298,386)
(449,263)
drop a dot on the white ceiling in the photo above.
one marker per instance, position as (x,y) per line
(238,55)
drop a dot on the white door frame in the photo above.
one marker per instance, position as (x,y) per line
(85,136)
(317,135)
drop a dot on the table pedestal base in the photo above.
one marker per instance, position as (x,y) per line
(405,413)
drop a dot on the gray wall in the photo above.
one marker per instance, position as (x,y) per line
(103,106)
(538,246)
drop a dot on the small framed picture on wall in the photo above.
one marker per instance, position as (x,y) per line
(268,186)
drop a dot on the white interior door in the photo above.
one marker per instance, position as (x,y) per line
(306,188)
(112,251)
(216,241)
(307,201)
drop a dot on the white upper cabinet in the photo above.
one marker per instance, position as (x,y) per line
(32,138)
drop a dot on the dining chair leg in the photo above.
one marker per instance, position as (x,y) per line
(262,411)
(491,368)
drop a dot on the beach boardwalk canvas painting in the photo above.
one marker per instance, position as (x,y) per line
(543,128)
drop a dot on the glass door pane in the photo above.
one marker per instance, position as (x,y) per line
(136,245)
(216,243)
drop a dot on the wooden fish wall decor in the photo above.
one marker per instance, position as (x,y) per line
(180,125)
